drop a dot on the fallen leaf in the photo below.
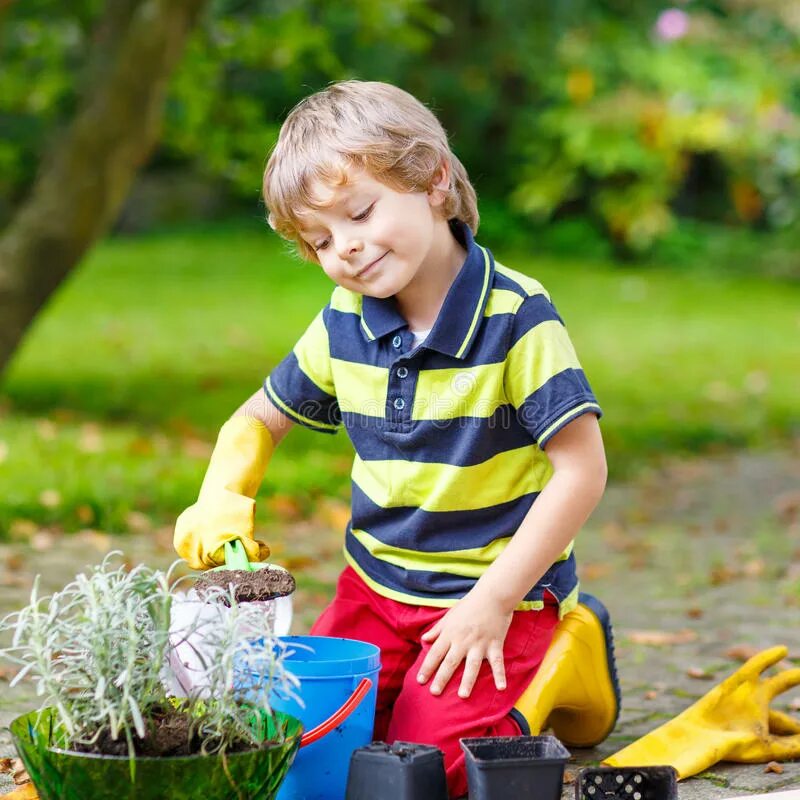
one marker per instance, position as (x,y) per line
(722,525)
(614,536)
(42,540)
(699,674)
(26,792)
(694,612)
(50,498)
(334,513)
(297,563)
(662,638)
(182,427)
(14,562)
(6,765)
(91,438)
(754,568)
(6,674)
(46,429)
(775,767)
(276,548)
(21,778)
(742,652)
(85,514)
(756,382)
(138,522)
(595,570)
(721,392)
(285,507)
(197,448)
(13,580)
(651,695)
(722,574)
(95,539)
(787,506)
(210,382)
(141,447)
(569,777)
(641,560)
(163,538)
(22,528)
(18,772)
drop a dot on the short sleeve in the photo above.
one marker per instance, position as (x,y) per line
(301,386)
(543,377)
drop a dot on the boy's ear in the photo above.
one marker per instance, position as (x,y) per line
(440,185)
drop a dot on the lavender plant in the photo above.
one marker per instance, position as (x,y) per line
(100,652)
(242,665)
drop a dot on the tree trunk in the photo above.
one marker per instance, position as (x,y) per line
(83,183)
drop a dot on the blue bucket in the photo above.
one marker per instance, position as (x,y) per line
(339,687)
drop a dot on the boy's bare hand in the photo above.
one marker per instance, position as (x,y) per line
(472,631)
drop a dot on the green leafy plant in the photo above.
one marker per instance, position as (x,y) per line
(633,120)
(242,664)
(100,652)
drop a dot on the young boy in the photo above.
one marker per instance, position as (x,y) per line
(478,451)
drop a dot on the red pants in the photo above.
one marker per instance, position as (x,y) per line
(407,711)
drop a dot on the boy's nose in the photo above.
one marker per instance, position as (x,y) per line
(350,247)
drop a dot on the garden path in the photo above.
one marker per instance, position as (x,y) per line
(698,562)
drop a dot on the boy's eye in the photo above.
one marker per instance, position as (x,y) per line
(364,214)
(322,245)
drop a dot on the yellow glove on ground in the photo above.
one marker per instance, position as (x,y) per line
(733,722)
(225,508)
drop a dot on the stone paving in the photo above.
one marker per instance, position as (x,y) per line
(697,561)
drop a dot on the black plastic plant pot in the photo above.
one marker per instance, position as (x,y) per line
(627,783)
(60,774)
(402,771)
(515,766)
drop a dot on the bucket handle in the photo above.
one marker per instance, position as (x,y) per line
(339,716)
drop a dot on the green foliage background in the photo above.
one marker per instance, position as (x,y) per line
(595,123)
(601,109)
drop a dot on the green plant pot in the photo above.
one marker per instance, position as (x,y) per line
(60,774)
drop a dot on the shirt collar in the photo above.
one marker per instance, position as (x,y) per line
(459,319)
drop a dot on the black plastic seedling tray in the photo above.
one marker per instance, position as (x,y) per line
(627,783)
(402,771)
(515,766)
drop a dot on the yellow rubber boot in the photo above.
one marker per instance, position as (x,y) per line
(576,690)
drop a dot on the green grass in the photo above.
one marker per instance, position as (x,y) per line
(155,340)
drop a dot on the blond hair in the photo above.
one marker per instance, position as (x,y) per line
(370,125)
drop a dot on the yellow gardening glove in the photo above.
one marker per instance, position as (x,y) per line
(733,722)
(225,508)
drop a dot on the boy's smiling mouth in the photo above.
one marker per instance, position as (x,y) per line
(371,265)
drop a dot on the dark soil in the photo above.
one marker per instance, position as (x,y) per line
(261,584)
(169,734)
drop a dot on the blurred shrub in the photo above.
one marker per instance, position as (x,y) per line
(629,115)
(625,114)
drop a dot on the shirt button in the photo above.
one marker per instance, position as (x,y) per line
(397,342)
(402,372)
(399,404)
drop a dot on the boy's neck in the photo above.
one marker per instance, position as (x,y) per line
(420,301)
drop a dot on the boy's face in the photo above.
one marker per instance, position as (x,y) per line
(370,238)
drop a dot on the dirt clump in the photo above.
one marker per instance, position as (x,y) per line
(260,584)
(169,733)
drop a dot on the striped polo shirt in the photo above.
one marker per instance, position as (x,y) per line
(449,435)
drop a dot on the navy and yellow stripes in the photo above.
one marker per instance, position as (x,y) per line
(449,436)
